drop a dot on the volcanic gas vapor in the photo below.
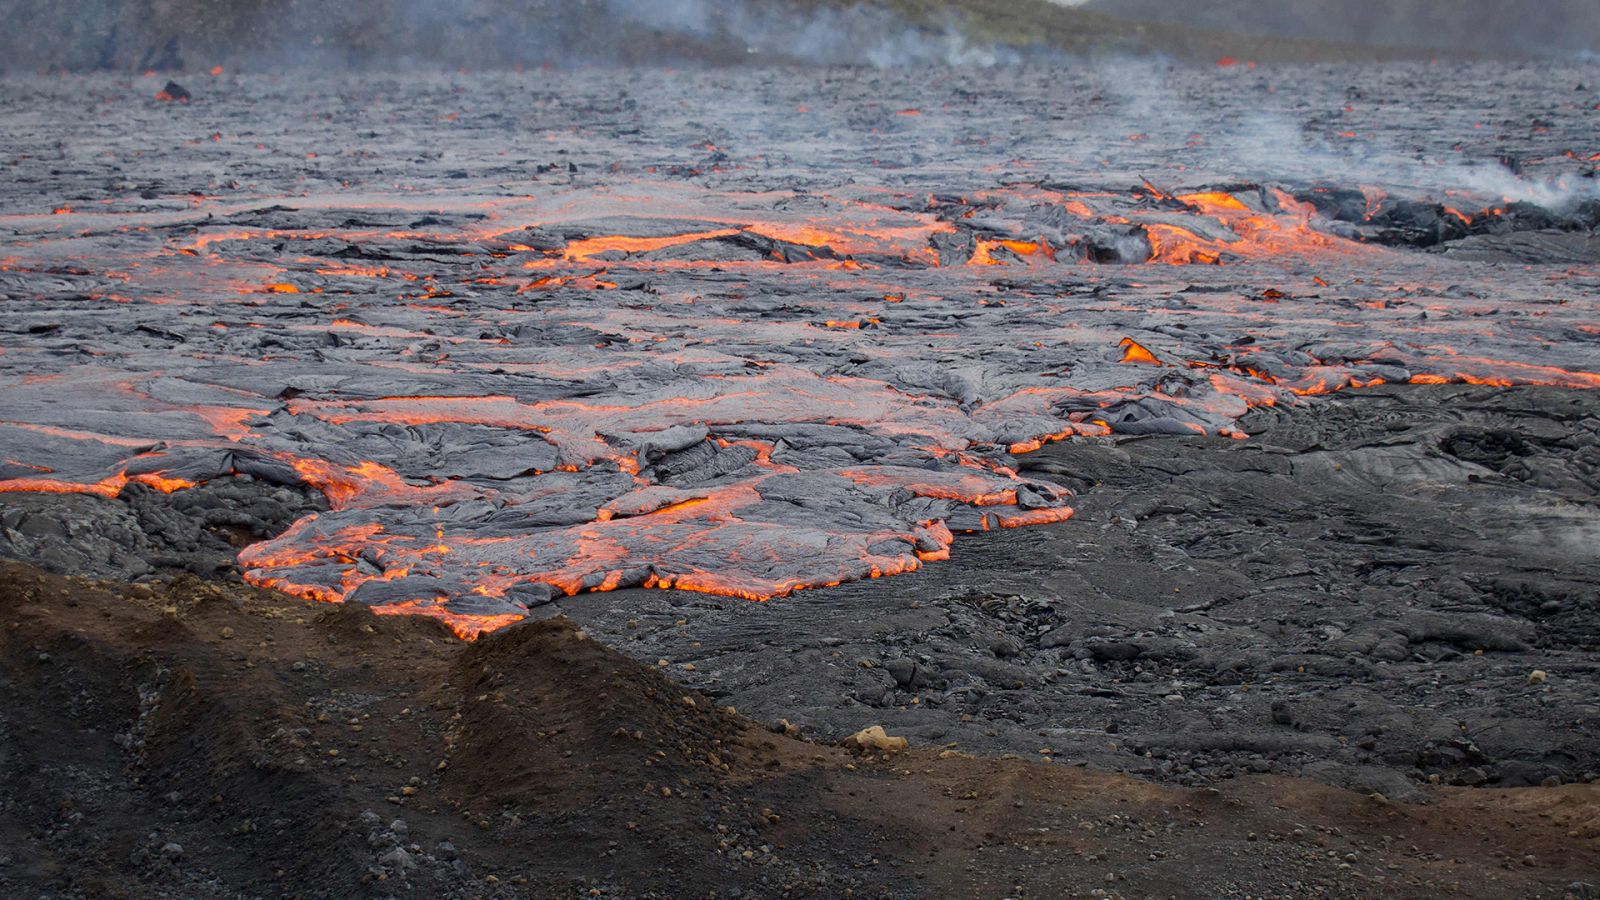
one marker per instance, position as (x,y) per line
(678,336)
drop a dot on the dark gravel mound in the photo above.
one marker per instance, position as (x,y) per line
(199,740)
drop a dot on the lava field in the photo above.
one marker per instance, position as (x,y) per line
(531,335)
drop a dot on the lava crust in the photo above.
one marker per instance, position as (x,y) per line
(533,337)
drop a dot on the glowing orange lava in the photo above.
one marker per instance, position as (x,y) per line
(1134,352)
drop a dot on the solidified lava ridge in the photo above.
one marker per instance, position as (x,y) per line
(657,383)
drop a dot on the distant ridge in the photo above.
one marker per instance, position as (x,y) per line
(1480,27)
(171,35)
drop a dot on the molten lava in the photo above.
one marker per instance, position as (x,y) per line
(683,382)
(1135,352)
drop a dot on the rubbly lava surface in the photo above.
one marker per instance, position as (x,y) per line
(743,333)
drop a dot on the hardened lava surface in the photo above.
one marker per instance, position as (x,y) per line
(532,335)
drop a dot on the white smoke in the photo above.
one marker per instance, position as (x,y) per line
(1271,145)
(855,35)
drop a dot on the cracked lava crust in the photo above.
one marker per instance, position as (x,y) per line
(531,337)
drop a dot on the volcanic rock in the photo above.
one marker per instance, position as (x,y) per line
(174,92)
(873,737)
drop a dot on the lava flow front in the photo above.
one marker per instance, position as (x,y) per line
(578,352)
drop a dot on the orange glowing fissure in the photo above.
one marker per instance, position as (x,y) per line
(1259,234)
(588,248)
(108,488)
(1135,352)
(984,252)
(1028,446)
(466,626)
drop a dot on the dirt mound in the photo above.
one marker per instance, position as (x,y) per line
(204,740)
(628,727)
